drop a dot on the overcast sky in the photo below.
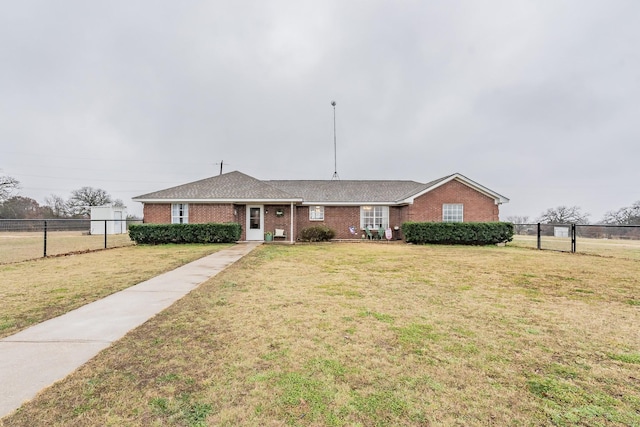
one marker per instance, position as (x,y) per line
(537,100)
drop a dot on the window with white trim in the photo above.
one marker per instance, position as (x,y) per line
(180,213)
(374,217)
(316,213)
(452,212)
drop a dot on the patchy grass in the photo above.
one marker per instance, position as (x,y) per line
(34,291)
(618,248)
(418,335)
(23,246)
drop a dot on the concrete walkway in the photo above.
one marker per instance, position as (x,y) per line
(45,353)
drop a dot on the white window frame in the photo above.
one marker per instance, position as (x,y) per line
(374,217)
(179,213)
(316,213)
(452,212)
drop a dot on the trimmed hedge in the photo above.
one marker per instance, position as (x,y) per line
(317,233)
(156,234)
(458,233)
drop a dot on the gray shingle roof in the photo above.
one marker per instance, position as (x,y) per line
(339,191)
(229,186)
(236,186)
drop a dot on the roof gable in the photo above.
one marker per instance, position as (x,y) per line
(230,186)
(498,198)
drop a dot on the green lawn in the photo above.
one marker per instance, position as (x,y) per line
(375,335)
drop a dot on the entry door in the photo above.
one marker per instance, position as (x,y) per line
(255,222)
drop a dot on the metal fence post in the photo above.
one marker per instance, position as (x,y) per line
(539,238)
(45,239)
(573,238)
(105,234)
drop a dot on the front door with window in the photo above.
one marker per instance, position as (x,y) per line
(255,222)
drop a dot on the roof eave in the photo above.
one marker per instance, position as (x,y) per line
(237,201)
(355,203)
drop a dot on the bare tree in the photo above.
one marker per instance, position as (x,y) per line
(517,219)
(57,205)
(83,198)
(629,215)
(564,215)
(7,186)
(118,203)
(519,223)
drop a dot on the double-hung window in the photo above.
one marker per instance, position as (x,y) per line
(179,213)
(316,213)
(374,217)
(452,212)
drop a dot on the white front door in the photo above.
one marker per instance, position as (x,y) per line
(255,222)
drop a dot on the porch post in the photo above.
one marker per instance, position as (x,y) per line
(291,224)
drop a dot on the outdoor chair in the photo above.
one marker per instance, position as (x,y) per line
(279,234)
(380,233)
(368,232)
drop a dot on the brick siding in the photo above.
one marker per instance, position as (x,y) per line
(477,206)
(428,207)
(272,221)
(200,213)
(240,216)
(160,213)
(338,218)
(157,213)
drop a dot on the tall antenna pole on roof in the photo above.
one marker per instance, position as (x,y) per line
(221,165)
(335,155)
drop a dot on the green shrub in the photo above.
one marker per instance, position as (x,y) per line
(458,233)
(156,234)
(317,233)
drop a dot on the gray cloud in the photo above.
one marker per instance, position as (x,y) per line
(534,100)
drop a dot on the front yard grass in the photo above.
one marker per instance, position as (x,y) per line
(375,335)
(34,291)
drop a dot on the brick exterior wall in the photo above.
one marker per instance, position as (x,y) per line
(272,221)
(160,213)
(428,207)
(200,213)
(156,213)
(477,206)
(338,218)
(241,218)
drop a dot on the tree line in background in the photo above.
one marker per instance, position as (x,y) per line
(78,205)
(628,215)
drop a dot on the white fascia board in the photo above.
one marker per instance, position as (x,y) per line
(499,199)
(234,201)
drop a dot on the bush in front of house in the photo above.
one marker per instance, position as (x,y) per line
(157,234)
(317,233)
(458,233)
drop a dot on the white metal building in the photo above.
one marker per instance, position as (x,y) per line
(114,217)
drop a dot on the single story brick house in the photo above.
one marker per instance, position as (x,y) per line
(345,206)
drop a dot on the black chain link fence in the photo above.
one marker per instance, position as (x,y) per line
(605,240)
(25,239)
